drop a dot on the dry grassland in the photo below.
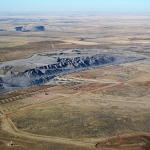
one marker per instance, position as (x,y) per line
(115,104)
(105,108)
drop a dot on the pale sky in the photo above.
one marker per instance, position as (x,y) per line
(75,5)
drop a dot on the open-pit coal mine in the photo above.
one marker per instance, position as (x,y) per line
(41,68)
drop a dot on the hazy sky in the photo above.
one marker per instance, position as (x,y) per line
(76,5)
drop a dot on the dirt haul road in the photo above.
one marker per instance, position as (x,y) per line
(8,126)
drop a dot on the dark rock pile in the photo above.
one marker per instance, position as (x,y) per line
(16,77)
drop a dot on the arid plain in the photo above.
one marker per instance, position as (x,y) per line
(103,107)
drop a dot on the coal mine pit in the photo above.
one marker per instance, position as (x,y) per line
(41,68)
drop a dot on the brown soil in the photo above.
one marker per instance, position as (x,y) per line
(22,93)
(92,86)
(140,142)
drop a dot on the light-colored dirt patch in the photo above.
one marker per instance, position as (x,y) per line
(39,98)
(80,42)
(142,78)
